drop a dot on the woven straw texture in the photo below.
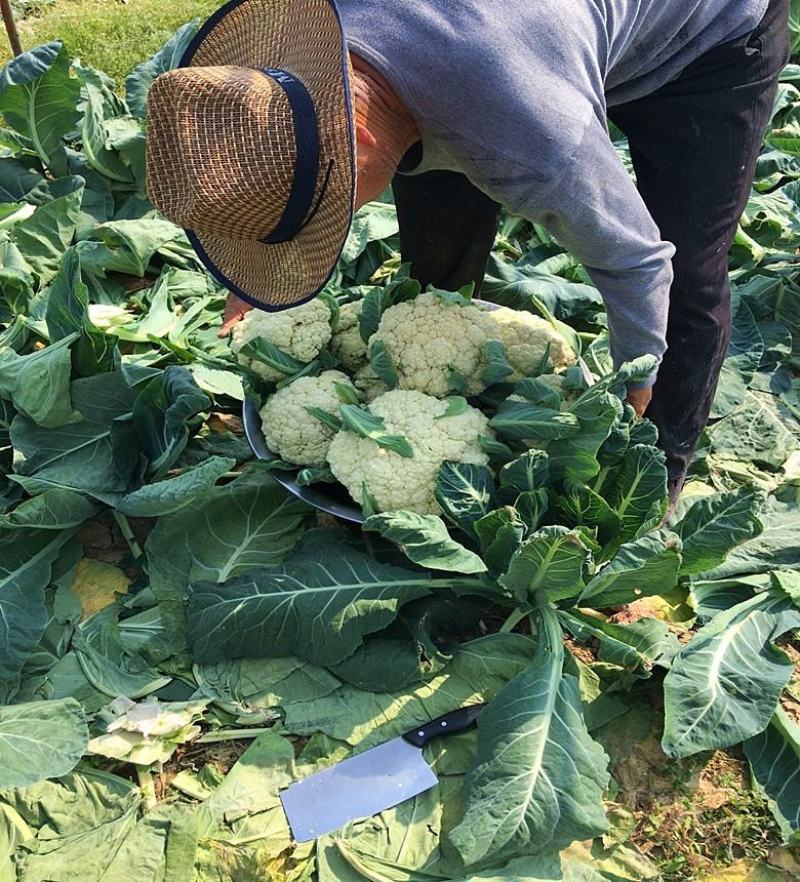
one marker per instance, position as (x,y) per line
(221,151)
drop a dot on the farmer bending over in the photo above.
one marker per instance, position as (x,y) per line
(465,106)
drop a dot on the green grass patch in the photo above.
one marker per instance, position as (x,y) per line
(112,35)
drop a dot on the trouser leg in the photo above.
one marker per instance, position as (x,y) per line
(694,145)
(447,228)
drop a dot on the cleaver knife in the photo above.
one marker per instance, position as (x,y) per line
(371,782)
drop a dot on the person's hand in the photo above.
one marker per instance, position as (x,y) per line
(235,308)
(639,399)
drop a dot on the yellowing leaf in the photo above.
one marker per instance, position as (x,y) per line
(748,871)
(97,584)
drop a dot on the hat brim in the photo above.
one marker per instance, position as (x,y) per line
(305,38)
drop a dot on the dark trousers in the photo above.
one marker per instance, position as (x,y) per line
(694,145)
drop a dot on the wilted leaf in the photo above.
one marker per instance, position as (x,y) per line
(13,831)
(760,430)
(49,231)
(96,455)
(778,544)
(479,669)
(106,661)
(250,789)
(162,413)
(68,314)
(40,739)
(38,384)
(91,816)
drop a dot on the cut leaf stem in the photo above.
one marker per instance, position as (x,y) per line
(133,543)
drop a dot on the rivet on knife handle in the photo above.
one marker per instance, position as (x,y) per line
(450,724)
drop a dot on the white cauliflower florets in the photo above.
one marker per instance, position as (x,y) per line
(408,483)
(290,430)
(347,344)
(302,332)
(428,340)
(526,338)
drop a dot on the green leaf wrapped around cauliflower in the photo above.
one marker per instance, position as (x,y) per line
(532,344)
(397,482)
(290,430)
(301,332)
(346,343)
(569,392)
(370,386)
(434,346)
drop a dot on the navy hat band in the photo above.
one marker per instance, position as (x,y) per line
(306,167)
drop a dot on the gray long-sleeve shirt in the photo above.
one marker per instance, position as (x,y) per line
(513,94)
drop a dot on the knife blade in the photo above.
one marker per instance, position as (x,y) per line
(371,782)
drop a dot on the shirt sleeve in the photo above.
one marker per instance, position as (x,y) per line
(594,209)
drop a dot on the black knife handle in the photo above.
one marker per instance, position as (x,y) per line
(450,724)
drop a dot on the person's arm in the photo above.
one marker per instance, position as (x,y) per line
(594,209)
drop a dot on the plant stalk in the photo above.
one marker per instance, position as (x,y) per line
(11,27)
(231,735)
(148,787)
(513,620)
(130,538)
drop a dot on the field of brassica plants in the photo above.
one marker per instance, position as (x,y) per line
(180,638)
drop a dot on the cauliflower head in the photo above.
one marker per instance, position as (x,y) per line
(526,338)
(302,332)
(428,340)
(346,343)
(290,430)
(398,482)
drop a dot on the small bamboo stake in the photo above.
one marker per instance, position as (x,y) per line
(11,27)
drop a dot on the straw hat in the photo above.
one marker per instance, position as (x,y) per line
(250,147)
